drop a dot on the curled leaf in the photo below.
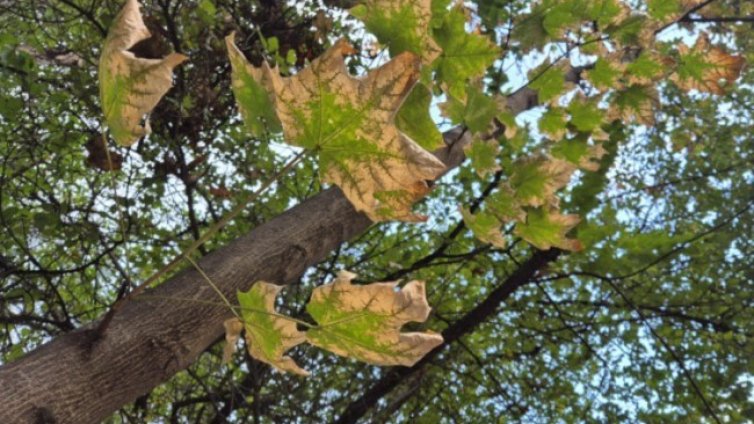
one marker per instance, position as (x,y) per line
(268,334)
(131,87)
(233,329)
(364,322)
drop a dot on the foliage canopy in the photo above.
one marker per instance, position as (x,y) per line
(609,154)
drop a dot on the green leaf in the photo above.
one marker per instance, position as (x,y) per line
(364,321)
(504,204)
(483,155)
(464,56)
(413,119)
(290,57)
(535,181)
(585,115)
(604,74)
(268,334)
(545,229)
(645,69)
(476,112)
(578,152)
(628,31)
(634,102)
(207,11)
(530,32)
(400,25)
(662,9)
(254,103)
(485,226)
(131,87)
(553,123)
(558,18)
(549,81)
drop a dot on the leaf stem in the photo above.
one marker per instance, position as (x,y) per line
(234,308)
(99,331)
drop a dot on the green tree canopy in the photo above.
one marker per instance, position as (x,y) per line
(567,184)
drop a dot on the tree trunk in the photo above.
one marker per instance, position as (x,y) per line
(76,379)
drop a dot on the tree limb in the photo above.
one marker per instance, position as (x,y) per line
(71,380)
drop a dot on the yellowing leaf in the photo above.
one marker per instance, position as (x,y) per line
(350,122)
(553,123)
(364,321)
(485,226)
(635,102)
(535,181)
(548,228)
(706,68)
(268,334)
(131,87)
(233,329)
(483,155)
(578,152)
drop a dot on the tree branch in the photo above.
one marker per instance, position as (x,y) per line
(466,325)
(151,338)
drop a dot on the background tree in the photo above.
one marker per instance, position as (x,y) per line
(641,312)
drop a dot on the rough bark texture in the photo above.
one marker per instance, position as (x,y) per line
(74,379)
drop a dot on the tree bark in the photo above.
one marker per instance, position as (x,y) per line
(78,379)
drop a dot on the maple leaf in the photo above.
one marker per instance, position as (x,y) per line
(483,154)
(605,73)
(401,25)
(578,152)
(550,82)
(465,56)
(268,334)
(485,226)
(553,123)
(414,120)
(546,228)
(536,180)
(350,122)
(634,102)
(476,111)
(706,68)
(248,85)
(665,11)
(131,87)
(364,321)
(646,69)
